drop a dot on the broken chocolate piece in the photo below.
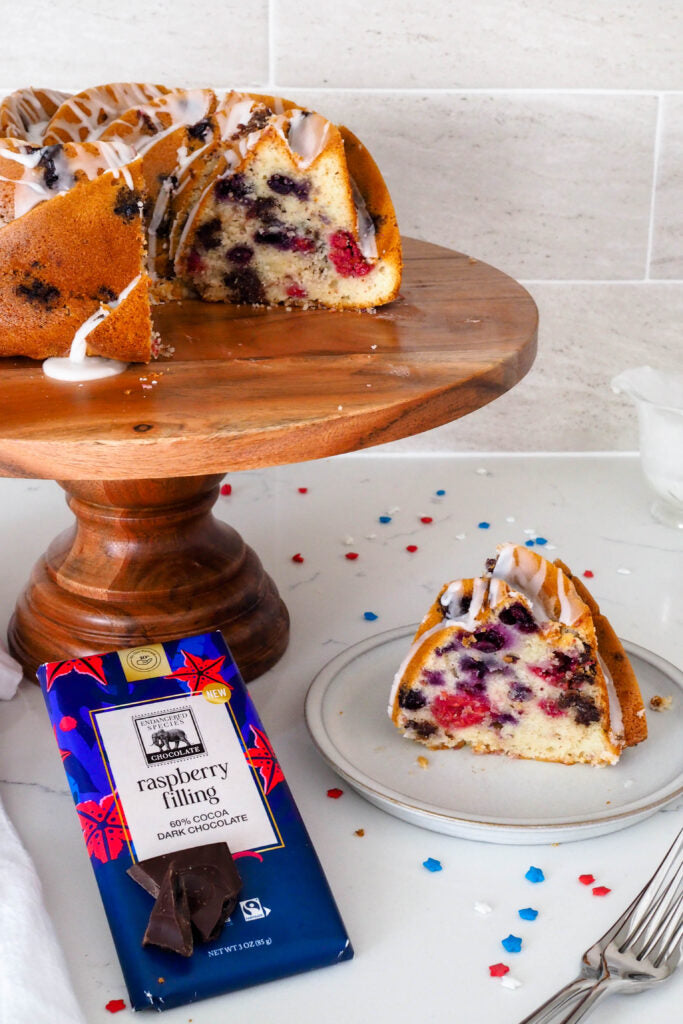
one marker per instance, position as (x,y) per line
(169,923)
(210,878)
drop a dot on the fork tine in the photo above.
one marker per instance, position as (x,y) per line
(652,925)
(669,933)
(636,917)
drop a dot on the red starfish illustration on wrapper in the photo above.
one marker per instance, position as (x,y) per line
(262,756)
(199,672)
(104,827)
(84,666)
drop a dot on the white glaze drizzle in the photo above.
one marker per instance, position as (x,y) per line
(75,366)
(616,718)
(307,136)
(367,239)
(518,567)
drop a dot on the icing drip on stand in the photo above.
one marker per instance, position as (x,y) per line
(79,367)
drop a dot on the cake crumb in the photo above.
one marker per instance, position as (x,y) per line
(423,762)
(661,703)
(359,832)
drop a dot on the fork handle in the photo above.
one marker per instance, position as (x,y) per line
(565,1000)
(599,991)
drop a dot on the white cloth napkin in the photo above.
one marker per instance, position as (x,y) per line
(34,983)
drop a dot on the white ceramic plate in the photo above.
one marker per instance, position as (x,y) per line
(493,799)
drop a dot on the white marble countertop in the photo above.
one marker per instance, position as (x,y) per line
(422,951)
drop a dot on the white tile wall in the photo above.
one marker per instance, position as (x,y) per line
(545,138)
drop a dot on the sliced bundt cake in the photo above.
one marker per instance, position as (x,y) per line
(520,662)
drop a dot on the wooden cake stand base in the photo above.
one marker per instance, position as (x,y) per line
(147,561)
(141,455)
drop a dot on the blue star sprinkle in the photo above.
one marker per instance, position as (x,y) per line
(512,943)
(440,494)
(541,541)
(535,875)
(385,519)
(431,864)
(483,525)
(370,616)
(528,914)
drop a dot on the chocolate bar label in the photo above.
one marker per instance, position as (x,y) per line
(181,775)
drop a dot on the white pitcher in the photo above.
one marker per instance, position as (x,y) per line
(658,397)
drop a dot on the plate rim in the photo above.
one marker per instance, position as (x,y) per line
(313,706)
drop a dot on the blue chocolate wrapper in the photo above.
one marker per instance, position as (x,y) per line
(163,750)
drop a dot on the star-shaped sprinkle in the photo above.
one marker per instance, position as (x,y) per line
(600,890)
(411,548)
(586,879)
(510,982)
(385,519)
(426,519)
(498,970)
(303,490)
(335,793)
(226,489)
(431,864)
(369,616)
(588,573)
(483,525)
(298,557)
(114,1005)
(535,875)
(351,555)
(482,908)
(512,943)
(528,914)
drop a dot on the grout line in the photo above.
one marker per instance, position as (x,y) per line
(655,175)
(271,47)
(369,453)
(600,281)
(478,91)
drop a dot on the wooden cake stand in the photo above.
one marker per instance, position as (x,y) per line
(141,455)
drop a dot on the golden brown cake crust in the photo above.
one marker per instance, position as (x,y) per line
(368,177)
(616,659)
(49,288)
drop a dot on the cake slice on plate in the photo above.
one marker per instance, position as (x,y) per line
(519,661)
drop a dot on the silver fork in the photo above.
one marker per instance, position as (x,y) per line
(641,948)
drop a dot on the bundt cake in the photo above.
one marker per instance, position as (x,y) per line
(519,661)
(172,193)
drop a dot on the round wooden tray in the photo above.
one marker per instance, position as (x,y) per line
(141,454)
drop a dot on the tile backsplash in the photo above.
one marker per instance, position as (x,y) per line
(546,139)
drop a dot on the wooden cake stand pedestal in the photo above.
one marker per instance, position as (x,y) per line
(141,455)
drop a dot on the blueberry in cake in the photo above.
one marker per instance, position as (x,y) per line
(240,198)
(519,661)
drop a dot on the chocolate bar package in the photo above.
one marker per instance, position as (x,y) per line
(207,874)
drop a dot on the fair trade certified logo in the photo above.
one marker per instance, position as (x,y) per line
(169,735)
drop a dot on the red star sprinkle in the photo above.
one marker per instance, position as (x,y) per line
(297,557)
(114,1005)
(67,723)
(334,794)
(586,879)
(498,970)
(411,548)
(588,573)
(226,489)
(303,490)
(198,672)
(601,890)
(351,555)
(426,519)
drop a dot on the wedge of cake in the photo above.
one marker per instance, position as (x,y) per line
(519,661)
